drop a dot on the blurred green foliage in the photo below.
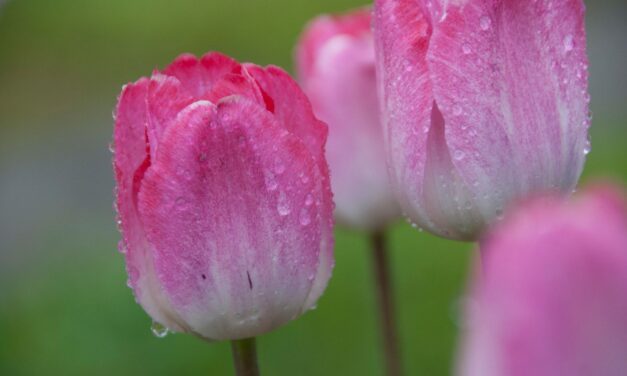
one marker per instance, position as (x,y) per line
(70,313)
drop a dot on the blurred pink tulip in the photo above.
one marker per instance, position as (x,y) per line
(484,102)
(335,60)
(223,197)
(552,299)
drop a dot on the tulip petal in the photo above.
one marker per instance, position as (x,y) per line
(336,64)
(198,76)
(402,38)
(551,297)
(501,74)
(131,160)
(218,247)
(291,107)
(354,24)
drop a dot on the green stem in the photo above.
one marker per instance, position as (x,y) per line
(384,289)
(245,357)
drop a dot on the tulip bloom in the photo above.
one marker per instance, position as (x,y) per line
(552,299)
(485,102)
(223,197)
(336,66)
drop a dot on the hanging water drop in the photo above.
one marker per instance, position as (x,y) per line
(158,330)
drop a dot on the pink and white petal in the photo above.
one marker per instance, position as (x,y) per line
(509,78)
(291,107)
(235,84)
(402,32)
(165,99)
(199,75)
(342,90)
(453,211)
(131,160)
(551,299)
(236,228)
(323,28)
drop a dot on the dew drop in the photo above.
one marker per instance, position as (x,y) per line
(587,148)
(458,155)
(485,23)
(158,330)
(568,43)
(271,182)
(283,206)
(309,199)
(304,217)
(457,110)
(279,167)
(466,49)
(122,247)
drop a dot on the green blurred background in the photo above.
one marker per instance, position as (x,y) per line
(64,305)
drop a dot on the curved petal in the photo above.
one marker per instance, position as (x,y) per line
(338,74)
(402,32)
(509,78)
(319,31)
(198,76)
(551,299)
(236,265)
(291,107)
(131,160)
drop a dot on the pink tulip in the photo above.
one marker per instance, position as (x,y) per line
(335,60)
(223,197)
(485,102)
(552,299)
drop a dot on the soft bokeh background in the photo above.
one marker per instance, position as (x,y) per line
(64,305)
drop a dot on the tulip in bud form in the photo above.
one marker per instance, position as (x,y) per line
(336,65)
(552,297)
(223,197)
(484,102)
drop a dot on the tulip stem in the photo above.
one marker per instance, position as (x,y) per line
(385,299)
(245,357)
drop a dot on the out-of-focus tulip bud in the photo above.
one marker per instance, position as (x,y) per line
(335,61)
(484,102)
(552,298)
(223,197)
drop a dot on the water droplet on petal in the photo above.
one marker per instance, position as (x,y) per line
(309,199)
(466,49)
(457,110)
(122,247)
(568,43)
(159,330)
(485,23)
(279,167)
(458,155)
(304,217)
(587,148)
(283,205)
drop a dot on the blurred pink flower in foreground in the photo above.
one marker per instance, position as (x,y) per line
(335,60)
(552,299)
(223,197)
(485,102)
